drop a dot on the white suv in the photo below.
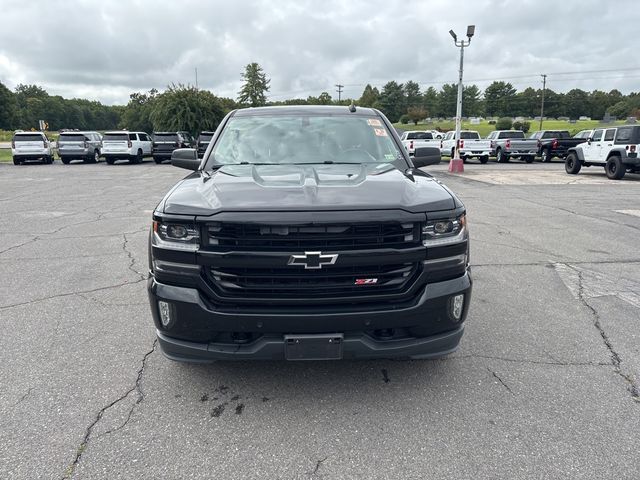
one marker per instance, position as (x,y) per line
(31,146)
(125,145)
(614,148)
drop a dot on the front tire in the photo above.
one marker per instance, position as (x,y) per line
(528,158)
(48,159)
(65,160)
(95,158)
(16,161)
(615,168)
(572,164)
(158,160)
(138,158)
(484,159)
(110,161)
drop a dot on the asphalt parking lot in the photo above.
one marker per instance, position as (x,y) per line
(546,383)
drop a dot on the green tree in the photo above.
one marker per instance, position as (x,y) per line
(430,102)
(415,114)
(369,97)
(186,108)
(392,101)
(8,108)
(471,101)
(499,99)
(256,85)
(527,102)
(447,99)
(137,113)
(576,103)
(412,93)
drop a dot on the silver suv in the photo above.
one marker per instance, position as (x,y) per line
(84,146)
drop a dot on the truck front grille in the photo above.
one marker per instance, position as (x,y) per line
(362,236)
(290,282)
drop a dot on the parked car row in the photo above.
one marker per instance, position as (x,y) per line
(90,146)
(508,144)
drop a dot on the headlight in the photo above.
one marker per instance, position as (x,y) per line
(176,236)
(444,231)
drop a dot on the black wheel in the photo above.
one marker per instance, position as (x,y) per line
(453,152)
(464,159)
(484,159)
(572,164)
(65,160)
(545,156)
(110,161)
(95,158)
(48,159)
(157,160)
(501,157)
(615,168)
(16,161)
(138,158)
(528,158)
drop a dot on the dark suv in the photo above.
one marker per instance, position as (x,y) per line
(203,142)
(164,143)
(306,233)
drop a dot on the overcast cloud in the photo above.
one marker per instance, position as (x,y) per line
(105,50)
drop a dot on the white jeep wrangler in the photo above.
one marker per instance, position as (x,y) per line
(614,148)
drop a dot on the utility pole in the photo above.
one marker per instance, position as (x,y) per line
(340,87)
(196,79)
(456,164)
(544,86)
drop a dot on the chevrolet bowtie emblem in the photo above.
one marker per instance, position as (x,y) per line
(313,260)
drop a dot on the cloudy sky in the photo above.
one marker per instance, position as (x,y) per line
(105,50)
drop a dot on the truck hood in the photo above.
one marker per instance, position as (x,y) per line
(306,187)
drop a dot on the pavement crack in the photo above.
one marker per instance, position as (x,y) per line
(532,362)
(132,258)
(23,397)
(502,382)
(616,361)
(87,434)
(68,294)
(318,465)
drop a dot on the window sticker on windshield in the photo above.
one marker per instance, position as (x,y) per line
(374,122)
(389,156)
(380,132)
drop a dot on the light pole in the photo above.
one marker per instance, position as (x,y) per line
(456,164)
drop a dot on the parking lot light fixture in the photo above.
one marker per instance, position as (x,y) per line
(456,165)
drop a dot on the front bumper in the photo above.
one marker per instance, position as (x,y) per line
(202,332)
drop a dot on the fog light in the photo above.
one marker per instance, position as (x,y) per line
(457,303)
(165,313)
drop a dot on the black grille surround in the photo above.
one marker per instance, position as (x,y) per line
(359,236)
(252,262)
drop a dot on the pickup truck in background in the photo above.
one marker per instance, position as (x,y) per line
(471,145)
(506,144)
(554,143)
(412,139)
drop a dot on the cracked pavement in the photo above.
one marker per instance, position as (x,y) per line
(544,385)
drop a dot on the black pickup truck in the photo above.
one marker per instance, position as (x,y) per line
(306,233)
(554,143)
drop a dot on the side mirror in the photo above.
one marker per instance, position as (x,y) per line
(589,140)
(185,158)
(424,156)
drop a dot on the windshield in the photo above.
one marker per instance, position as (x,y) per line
(419,136)
(71,137)
(165,137)
(28,138)
(299,138)
(469,135)
(511,135)
(110,137)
